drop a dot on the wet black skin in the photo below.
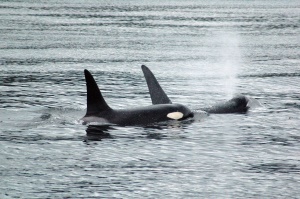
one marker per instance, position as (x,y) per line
(99,111)
(139,115)
(237,104)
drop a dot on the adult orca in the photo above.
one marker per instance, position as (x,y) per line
(237,104)
(98,110)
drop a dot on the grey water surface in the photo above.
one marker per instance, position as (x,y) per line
(202,52)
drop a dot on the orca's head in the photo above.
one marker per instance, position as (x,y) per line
(241,103)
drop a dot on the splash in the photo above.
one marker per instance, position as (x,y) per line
(230,61)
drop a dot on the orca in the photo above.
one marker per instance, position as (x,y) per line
(238,104)
(98,110)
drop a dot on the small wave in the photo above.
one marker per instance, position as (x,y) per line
(275,168)
(272,75)
(139,164)
(293,105)
(36,138)
(37,61)
(282,26)
(271,140)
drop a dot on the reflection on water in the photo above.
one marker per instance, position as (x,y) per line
(97,133)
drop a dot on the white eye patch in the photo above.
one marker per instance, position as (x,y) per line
(175,115)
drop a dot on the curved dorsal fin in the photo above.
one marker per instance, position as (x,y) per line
(157,94)
(95,100)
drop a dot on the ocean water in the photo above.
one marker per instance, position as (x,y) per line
(201,52)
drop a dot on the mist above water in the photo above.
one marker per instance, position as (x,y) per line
(229,62)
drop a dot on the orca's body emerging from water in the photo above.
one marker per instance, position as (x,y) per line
(237,104)
(98,111)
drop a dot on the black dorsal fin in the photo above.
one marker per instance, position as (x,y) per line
(157,94)
(95,100)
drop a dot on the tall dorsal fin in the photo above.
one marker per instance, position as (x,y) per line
(157,94)
(95,100)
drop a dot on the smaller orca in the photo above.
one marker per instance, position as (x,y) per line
(237,104)
(98,110)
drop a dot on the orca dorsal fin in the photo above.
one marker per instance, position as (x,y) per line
(95,100)
(157,94)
